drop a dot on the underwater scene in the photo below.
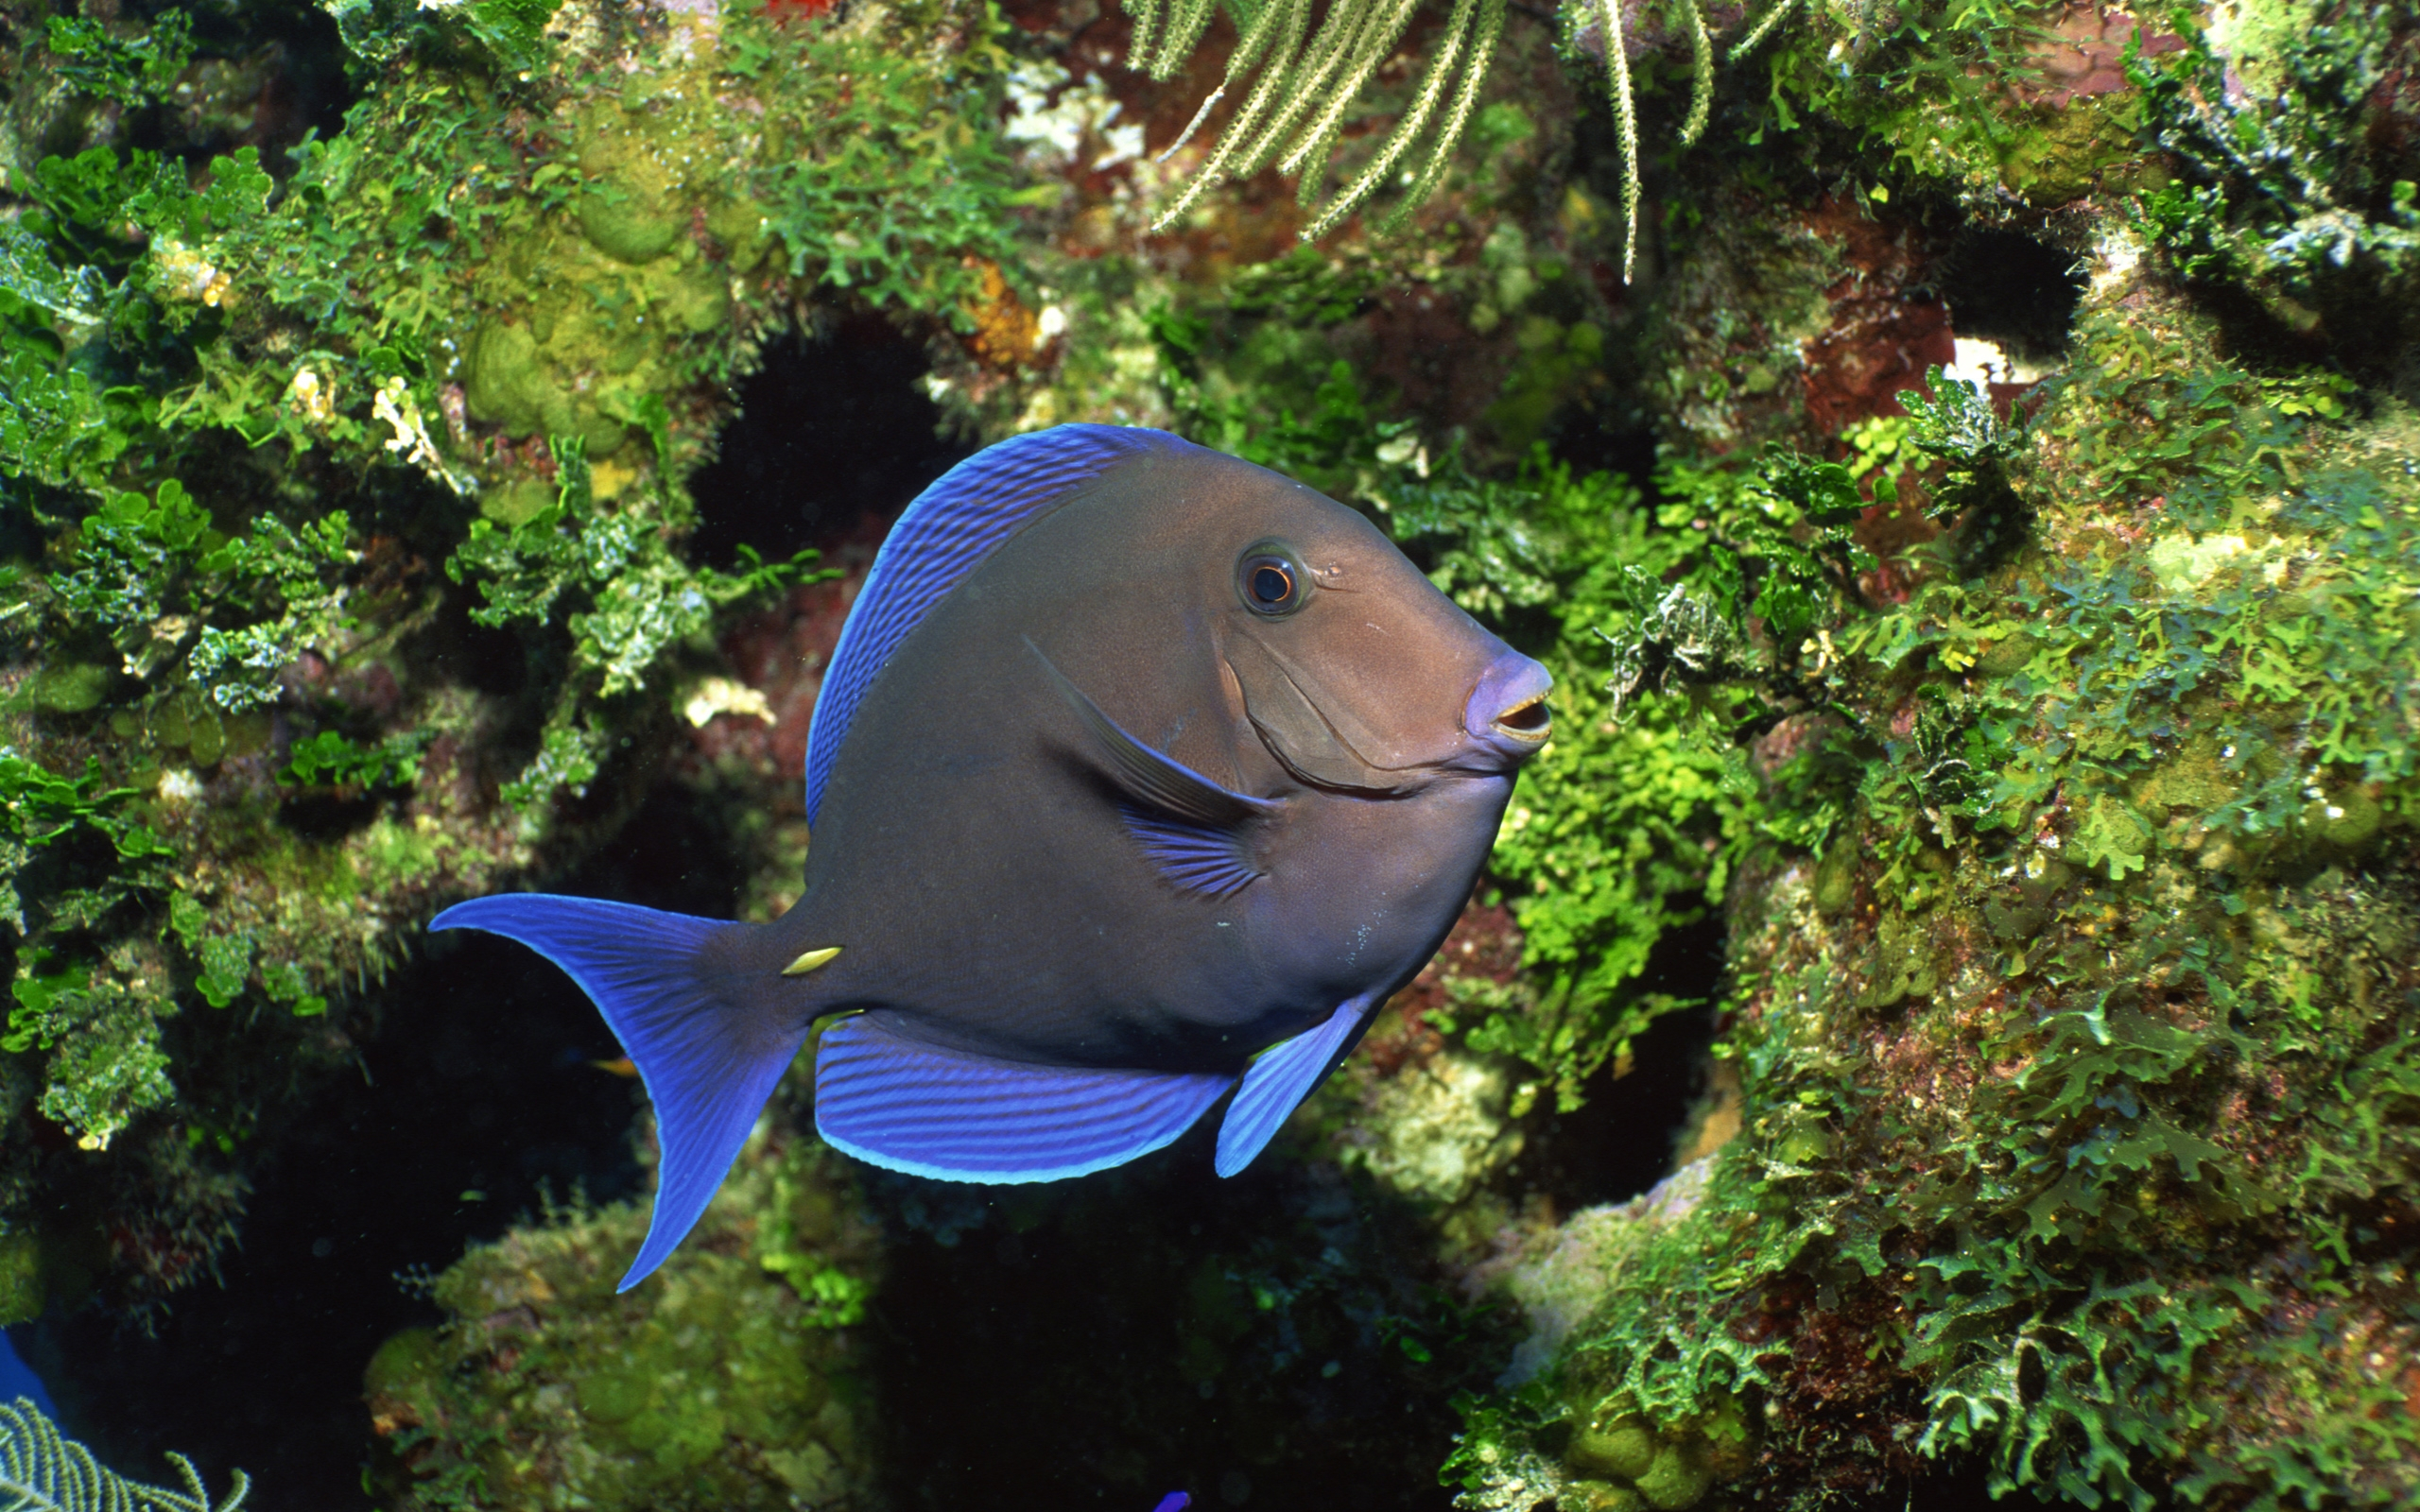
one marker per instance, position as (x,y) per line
(913,755)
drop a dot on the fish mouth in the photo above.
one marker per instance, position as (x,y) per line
(1529,720)
(1507,714)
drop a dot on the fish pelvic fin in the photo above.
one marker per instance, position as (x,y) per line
(1287,1073)
(708,1050)
(957,1116)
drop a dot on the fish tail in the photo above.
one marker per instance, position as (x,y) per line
(708,1044)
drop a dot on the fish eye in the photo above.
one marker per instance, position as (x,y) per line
(1271,581)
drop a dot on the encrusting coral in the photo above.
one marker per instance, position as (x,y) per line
(2042,729)
(282,446)
(738,1382)
(2071,992)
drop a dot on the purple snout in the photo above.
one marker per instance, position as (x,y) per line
(1507,711)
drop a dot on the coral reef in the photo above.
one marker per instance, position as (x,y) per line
(347,485)
(1954,458)
(2070,986)
(734,1383)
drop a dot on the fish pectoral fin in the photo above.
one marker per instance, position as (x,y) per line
(1287,1073)
(1150,778)
(1216,861)
(957,1116)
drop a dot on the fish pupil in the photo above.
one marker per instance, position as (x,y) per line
(1270,584)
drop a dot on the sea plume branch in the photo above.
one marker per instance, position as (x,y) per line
(43,1471)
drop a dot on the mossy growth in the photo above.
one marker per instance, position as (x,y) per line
(2002,105)
(287,432)
(2073,1002)
(22,1292)
(2289,126)
(729,1379)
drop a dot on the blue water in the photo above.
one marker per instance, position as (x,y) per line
(18,1380)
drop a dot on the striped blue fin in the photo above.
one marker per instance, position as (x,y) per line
(708,1063)
(950,528)
(1196,857)
(1287,1073)
(955,1116)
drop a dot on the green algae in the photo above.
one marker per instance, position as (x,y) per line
(2078,665)
(22,1292)
(729,1380)
(2294,187)
(2049,1062)
(275,421)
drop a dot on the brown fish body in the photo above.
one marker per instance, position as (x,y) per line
(1141,775)
(973,861)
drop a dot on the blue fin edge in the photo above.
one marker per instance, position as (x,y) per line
(990,1178)
(708,1064)
(1277,1082)
(978,1099)
(965,516)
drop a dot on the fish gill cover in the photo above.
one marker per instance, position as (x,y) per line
(2059,1134)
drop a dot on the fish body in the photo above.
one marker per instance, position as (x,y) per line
(1141,774)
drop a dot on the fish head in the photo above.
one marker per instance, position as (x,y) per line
(1356,673)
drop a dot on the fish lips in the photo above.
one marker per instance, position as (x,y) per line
(1316,735)
(1506,716)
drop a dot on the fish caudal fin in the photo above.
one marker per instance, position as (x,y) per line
(708,1062)
(1287,1073)
(956,1116)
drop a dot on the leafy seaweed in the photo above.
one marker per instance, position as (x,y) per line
(328,759)
(41,807)
(2285,183)
(138,70)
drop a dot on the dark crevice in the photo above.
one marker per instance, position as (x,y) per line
(1621,1141)
(2007,287)
(829,429)
(1100,1342)
(480,1083)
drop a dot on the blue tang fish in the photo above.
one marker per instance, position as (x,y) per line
(1140,775)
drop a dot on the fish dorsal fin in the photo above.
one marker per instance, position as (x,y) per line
(957,1116)
(946,534)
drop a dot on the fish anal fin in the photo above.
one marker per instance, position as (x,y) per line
(956,1116)
(1277,1082)
(709,1060)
